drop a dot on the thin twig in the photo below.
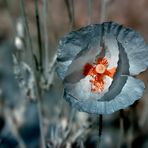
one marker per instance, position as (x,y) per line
(43,145)
(23,11)
(12,20)
(39,35)
(69,125)
(100,130)
(39,108)
(39,91)
(103,10)
(71,118)
(70,10)
(100,125)
(143,118)
(12,122)
(30,46)
(121,128)
(73,15)
(89,11)
(45,30)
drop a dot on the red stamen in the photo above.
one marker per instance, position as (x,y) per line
(87,68)
(110,72)
(102,61)
(97,72)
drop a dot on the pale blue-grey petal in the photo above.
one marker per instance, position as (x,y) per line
(132,91)
(87,37)
(112,50)
(75,44)
(83,105)
(134,45)
(79,62)
(62,68)
(118,81)
(71,44)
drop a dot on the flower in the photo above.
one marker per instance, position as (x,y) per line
(97,73)
(97,64)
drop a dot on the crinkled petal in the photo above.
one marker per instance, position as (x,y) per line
(75,44)
(134,45)
(132,91)
(112,53)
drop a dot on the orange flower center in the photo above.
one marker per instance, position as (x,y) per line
(100,68)
(97,73)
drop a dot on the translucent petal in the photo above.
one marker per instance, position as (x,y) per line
(76,43)
(134,45)
(132,91)
(112,53)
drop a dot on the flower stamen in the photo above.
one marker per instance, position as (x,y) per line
(97,73)
(100,68)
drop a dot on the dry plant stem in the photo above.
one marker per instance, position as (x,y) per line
(39,91)
(143,118)
(12,21)
(90,2)
(71,118)
(79,133)
(121,128)
(28,35)
(43,145)
(70,10)
(39,35)
(13,125)
(131,135)
(45,30)
(82,145)
(130,138)
(100,130)
(100,125)
(103,10)
(69,125)
(73,16)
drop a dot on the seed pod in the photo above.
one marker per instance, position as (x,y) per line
(97,64)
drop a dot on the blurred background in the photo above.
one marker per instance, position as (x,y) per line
(33,112)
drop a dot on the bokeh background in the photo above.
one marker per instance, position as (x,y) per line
(64,127)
